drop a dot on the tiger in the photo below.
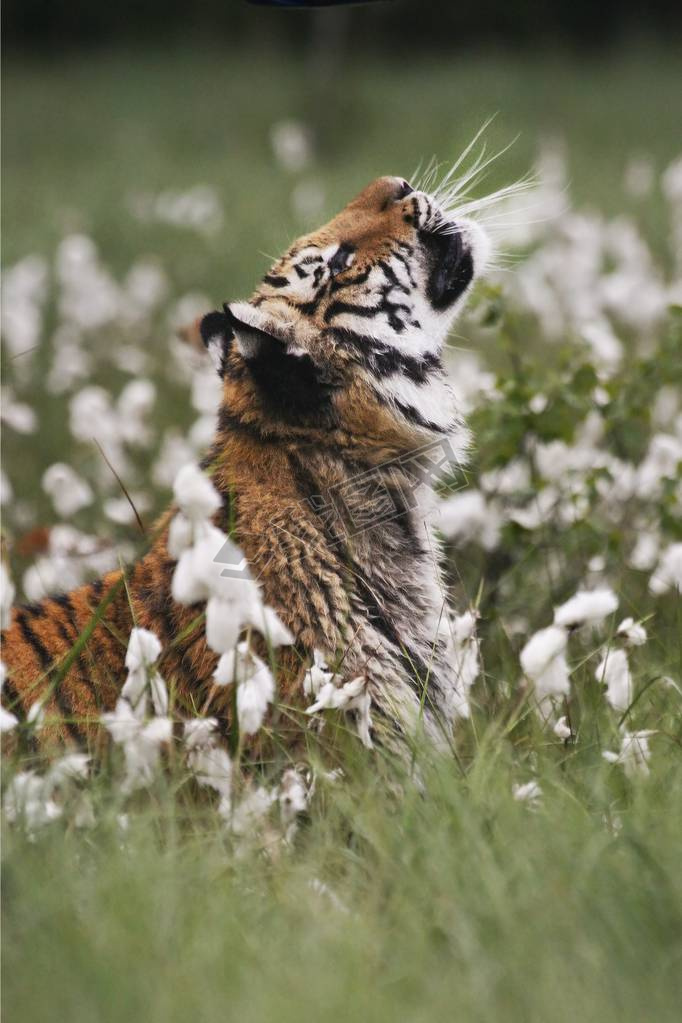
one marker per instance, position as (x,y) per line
(335,420)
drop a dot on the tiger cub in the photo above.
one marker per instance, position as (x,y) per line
(336,420)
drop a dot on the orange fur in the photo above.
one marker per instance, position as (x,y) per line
(266,466)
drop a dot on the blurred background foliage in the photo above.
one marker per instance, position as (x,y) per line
(392,24)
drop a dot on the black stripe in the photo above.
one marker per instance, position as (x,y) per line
(33,640)
(46,661)
(96,589)
(416,417)
(337,308)
(275,281)
(307,308)
(391,274)
(405,262)
(410,413)
(35,610)
(416,668)
(13,698)
(339,283)
(228,422)
(403,519)
(375,612)
(63,600)
(384,360)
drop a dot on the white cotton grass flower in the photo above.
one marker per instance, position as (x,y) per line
(91,414)
(273,628)
(174,451)
(225,617)
(70,767)
(462,654)
(180,535)
(144,649)
(467,516)
(292,144)
(121,723)
(209,762)
(352,696)
(89,298)
(232,602)
(125,512)
(233,665)
(254,694)
(28,800)
(543,660)
(36,714)
(195,494)
(136,400)
(211,568)
(24,290)
(200,733)
(67,490)
(668,572)
(251,811)
(528,792)
(256,685)
(561,728)
(159,693)
(141,743)
(198,571)
(71,557)
(17,414)
(212,768)
(7,594)
(631,632)
(30,797)
(634,753)
(613,671)
(293,796)
(196,209)
(317,675)
(587,606)
(8,721)
(6,488)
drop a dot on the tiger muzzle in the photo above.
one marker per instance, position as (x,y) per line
(450,267)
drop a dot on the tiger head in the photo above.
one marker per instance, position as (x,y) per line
(343,337)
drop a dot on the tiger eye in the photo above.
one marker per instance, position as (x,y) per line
(341,259)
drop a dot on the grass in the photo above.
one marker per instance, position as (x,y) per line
(457,902)
(447,899)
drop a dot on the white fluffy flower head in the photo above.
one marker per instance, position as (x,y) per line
(586,606)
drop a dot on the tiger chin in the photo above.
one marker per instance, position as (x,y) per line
(335,422)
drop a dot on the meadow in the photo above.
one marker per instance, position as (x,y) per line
(534,872)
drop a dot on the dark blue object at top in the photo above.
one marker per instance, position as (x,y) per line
(308,3)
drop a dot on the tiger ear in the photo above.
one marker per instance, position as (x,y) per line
(291,382)
(217,336)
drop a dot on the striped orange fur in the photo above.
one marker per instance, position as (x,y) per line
(331,374)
